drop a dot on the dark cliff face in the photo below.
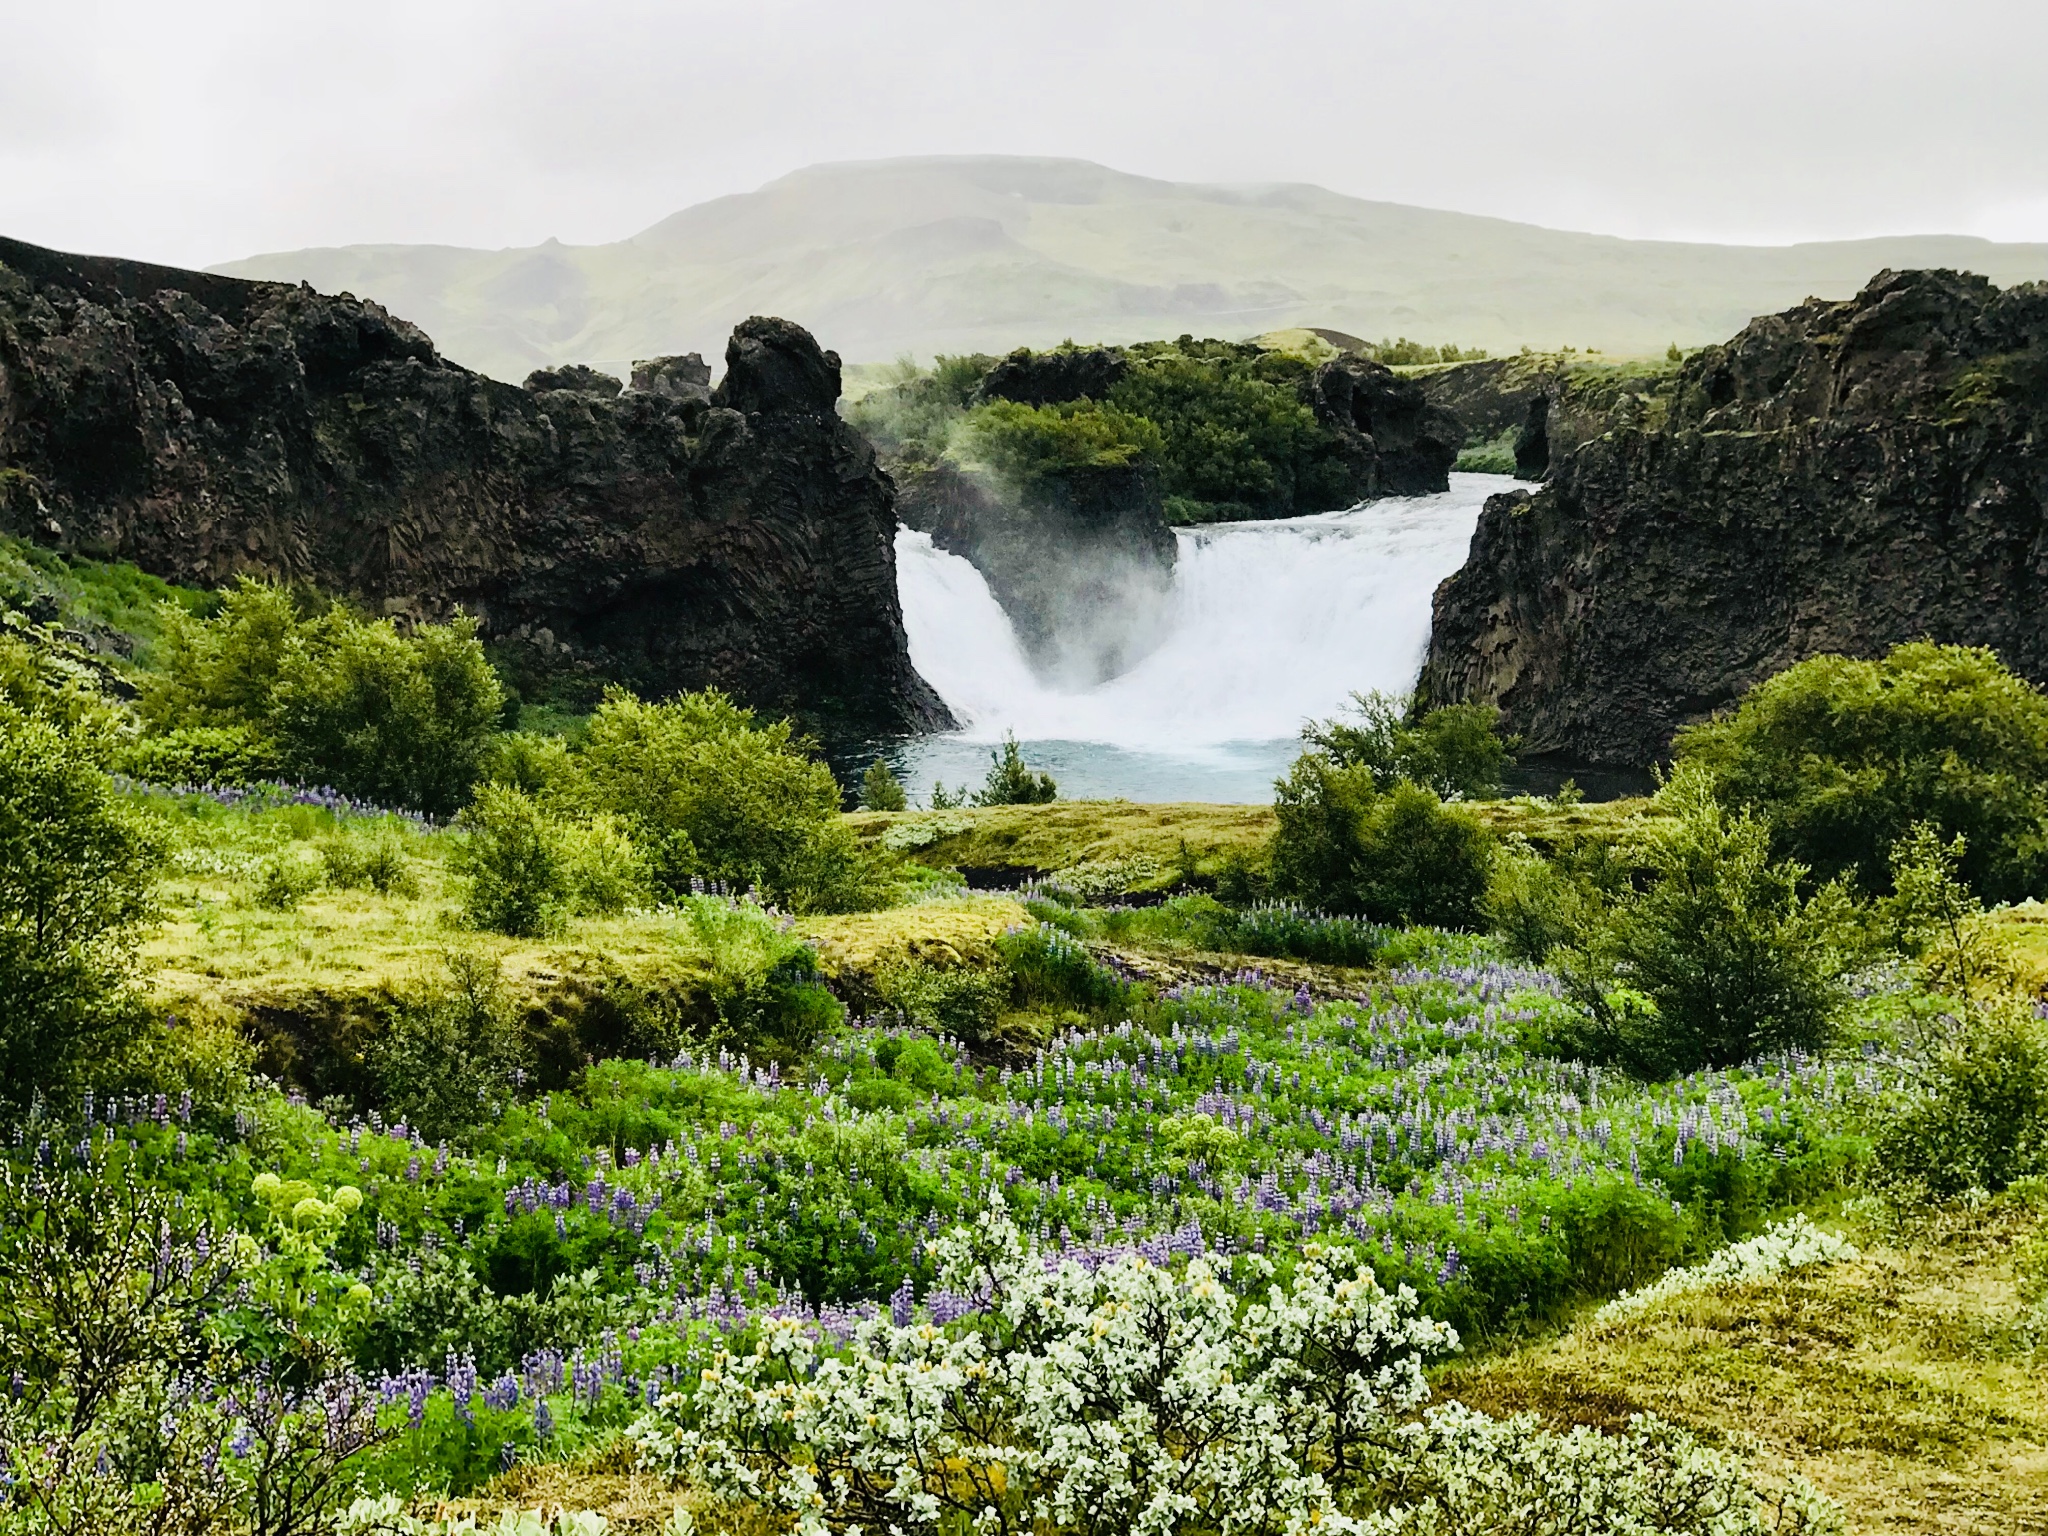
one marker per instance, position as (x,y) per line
(1550,404)
(1082,562)
(1838,478)
(1391,439)
(204,427)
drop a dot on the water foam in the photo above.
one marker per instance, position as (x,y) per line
(1272,623)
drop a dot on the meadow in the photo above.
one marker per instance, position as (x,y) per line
(619,1133)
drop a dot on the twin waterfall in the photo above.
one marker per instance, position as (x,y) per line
(1272,624)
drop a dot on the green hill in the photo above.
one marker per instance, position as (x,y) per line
(986,253)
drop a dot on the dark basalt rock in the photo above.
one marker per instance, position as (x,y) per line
(574,376)
(1550,404)
(687,377)
(1838,478)
(1393,441)
(205,427)
(1082,562)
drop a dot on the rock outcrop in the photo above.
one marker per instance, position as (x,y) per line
(1082,561)
(1549,403)
(1838,478)
(1391,439)
(204,427)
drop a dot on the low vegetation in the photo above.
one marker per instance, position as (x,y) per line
(608,1119)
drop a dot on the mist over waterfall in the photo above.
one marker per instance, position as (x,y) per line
(1270,624)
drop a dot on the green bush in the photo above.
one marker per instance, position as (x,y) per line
(284,879)
(1011,782)
(201,754)
(1231,433)
(966,1002)
(77,869)
(1534,905)
(1841,758)
(401,719)
(539,764)
(1454,751)
(879,790)
(763,981)
(1719,961)
(373,861)
(1028,444)
(1402,856)
(1981,1118)
(606,871)
(711,794)
(449,1058)
(396,719)
(518,876)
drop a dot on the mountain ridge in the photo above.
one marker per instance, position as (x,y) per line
(984,253)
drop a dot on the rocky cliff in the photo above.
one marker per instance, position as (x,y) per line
(1839,477)
(203,427)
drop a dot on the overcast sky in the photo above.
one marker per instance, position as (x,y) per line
(202,131)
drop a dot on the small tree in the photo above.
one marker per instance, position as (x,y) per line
(879,790)
(77,869)
(1010,782)
(1455,751)
(519,877)
(1719,961)
(1398,857)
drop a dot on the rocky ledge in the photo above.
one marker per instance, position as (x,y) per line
(666,537)
(1838,478)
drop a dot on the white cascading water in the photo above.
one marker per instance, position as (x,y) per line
(1272,624)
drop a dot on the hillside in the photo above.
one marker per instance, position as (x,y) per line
(987,253)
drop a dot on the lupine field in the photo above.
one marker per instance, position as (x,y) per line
(526,1295)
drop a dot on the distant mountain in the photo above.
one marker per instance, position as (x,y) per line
(986,253)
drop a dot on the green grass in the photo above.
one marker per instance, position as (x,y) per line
(106,601)
(1904,1383)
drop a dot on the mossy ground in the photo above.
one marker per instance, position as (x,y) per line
(1906,1384)
(1119,845)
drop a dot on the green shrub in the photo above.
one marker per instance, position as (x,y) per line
(879,790)
(711,794)
(966,1002)
(1028,444)
(763,981)
(77,869)
(373,861)
(201,754)
(540,764)
(606,872)
(1398,857)
(1841,758)
(1011,782)
(1230,437)
(1534,905)
(284,879)
(1719,961)
(336,699)
(518,875)
(1980,1120)
(1454,751)
(1050,966)
(449,1057)
(49,685)
(396,719)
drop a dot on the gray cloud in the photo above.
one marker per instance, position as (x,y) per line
(205,131)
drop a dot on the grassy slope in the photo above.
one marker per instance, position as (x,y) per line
(1900,1383)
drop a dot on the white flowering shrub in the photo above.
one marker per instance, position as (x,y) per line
(1134,1399)
(1789,1245)
(1460,1473)
(1142,1400)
